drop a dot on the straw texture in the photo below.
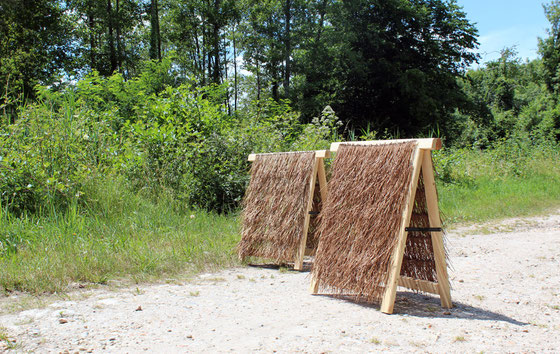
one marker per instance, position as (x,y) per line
(361,218)
(313,236)
(418,259)
(275,205)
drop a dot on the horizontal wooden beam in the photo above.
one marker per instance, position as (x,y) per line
(417,284)
(426,143)
(319,154)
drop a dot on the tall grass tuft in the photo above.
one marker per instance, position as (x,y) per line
(515,178)
(130,237)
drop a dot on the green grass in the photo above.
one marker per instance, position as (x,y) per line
(508,181)
(117,234)
(128,237)
(491,198)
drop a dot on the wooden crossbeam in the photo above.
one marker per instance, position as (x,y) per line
(318,154)
(424,144)
(421,285)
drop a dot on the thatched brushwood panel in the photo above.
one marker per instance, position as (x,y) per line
(275,205)
(418,259)
(312,236)
(361,217)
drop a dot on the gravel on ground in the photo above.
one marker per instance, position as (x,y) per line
(506,294)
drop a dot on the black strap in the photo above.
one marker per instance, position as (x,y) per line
(423,229)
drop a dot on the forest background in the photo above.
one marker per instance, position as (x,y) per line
(125,125)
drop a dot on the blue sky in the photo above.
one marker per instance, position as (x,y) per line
(507,23)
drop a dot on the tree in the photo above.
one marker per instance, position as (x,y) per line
(392,64)
(199,31)
(549,47)
(109,35)
(155,34)
(34,45)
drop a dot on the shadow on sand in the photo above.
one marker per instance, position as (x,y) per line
(420,305)
(288,266)
(412,304)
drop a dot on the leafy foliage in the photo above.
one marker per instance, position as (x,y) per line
(177,142)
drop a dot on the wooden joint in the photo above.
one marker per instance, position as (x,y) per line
(420,285)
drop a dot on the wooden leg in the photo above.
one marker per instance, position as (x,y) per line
(437,237)
(314,288)
(322,175)
(298,262)
(396,260)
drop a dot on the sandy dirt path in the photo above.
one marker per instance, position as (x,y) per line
(506,291)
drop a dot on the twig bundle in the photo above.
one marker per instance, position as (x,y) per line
(362,216)
(275,205)
(312,236)
(418,259)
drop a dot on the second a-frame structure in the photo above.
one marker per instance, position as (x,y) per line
(416,241)
(279,204)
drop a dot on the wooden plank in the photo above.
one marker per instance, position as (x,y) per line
(394,270)
(421,285)
(437,237)
(314,288)
(425,144)
(322,175)
(298,262)
(318,154)
(322,154)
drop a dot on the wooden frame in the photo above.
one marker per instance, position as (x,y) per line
(422,163)
(319,174)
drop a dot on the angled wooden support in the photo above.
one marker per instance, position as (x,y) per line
(318,174)
(396,260)
(422,162)
(437,237)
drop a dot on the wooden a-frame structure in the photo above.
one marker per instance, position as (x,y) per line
(422,163)
(318,175)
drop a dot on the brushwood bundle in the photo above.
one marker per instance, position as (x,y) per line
(276,205)
(418,259)
(362,216)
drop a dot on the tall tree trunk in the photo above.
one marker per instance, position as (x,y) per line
(119,46)
(322,11)
(216,74)
(288,47)
(91,24)
(112,52)
(198,55)
(155,38)
(225,71)
(205,65)
(258,80)
(234,69)
(158,31)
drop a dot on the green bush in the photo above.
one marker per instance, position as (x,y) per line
(177,142)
